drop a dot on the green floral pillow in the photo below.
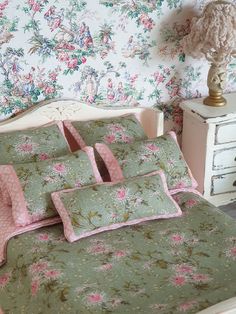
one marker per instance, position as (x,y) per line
(33,144)
(90,210)
(124,129)
(142,157)
(30,184)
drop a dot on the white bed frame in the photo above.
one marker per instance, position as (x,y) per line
(151,120)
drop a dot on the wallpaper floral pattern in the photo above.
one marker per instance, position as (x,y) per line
(107,53)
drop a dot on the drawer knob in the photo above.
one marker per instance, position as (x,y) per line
(234,184)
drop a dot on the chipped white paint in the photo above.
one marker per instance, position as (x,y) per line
(226,133)
(225,158)
(223,183)
(209,147)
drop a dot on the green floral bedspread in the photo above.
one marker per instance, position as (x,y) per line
(179,265)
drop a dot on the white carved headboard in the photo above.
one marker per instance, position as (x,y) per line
(151,119)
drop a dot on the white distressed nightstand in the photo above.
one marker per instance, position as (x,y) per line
(209,147)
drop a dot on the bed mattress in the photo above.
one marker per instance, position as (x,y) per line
(179,265)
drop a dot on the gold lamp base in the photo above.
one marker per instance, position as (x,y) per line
(215,99)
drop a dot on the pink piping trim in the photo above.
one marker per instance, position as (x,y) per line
(68,229)
(194,182)
(75,133)
(90,152)
(111,162)
(19,206)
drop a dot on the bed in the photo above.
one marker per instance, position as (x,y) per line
(180,265)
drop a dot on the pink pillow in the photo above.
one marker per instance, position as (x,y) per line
(30,184)
(93,209)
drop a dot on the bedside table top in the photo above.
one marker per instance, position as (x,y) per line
(208,113)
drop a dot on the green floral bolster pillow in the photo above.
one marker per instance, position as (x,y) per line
(33,144)
(142,157)
(123,129)
(89,210)
(31,184)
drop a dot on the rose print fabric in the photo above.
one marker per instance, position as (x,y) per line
(88,211)
(142,157)
(180,265)
(123,129)
(30,184)
(33,144)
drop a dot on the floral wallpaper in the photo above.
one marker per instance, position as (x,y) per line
(106,53)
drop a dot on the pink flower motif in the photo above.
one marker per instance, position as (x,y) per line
(120,253)
(121,194)
(38,267)
(26,147)
(31,2)
(83,60)
(95,298)
(110,96)
(63,56)
(187,306)
(152,147)
(177,239)
(184,269)
(149,24)
(159,78)
(78,184)
(190,203)
(53,76)
(126,139)
(146,21)
(56,23)
(52,274)
(115,128)
(98,248)
(180,185)
(110,138)
(106,267)
(200,278)
(114,215)
(59,168)
(4,279)
(178,281)
(231,252)
(43,156)
(64,45)
(49,90)
(72,63)
(34,287)
(36,7)
(43,237)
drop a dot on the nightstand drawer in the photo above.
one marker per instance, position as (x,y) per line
(225,158)
(224,183)
(225,133)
